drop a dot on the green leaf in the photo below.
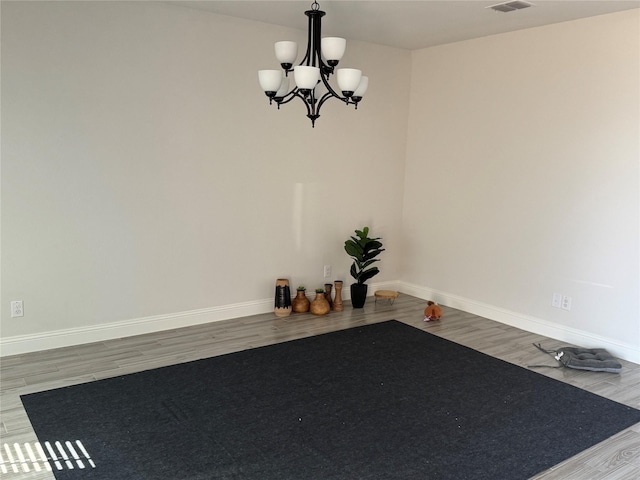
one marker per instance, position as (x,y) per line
(353,272)
(366,275)
(373,244)
(353,249)
(372,254)
(366,264)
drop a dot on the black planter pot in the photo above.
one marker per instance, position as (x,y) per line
(358,294)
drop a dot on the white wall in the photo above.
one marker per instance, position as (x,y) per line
(522,179)
(147,183)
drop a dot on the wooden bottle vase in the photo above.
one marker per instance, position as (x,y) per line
(301,303)
(338,306)
(319,306)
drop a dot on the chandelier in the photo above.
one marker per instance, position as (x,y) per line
(312,75)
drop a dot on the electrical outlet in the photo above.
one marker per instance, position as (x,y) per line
(566,302)
(17,309)
(327,271)
(557,300)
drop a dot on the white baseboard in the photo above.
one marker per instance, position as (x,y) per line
(99,333)
(109,331)
(525,322)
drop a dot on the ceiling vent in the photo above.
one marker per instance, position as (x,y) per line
(510,6)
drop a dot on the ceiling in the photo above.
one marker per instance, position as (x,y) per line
(412,24)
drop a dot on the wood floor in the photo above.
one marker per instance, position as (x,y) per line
(616,458)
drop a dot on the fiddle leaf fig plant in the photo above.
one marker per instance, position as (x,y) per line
(363,251)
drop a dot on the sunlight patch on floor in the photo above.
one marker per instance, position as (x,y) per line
(16,458)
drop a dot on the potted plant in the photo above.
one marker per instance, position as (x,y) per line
(363,251)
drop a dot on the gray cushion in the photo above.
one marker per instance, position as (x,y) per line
(594,359)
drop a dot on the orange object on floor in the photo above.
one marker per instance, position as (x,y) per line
(433,311)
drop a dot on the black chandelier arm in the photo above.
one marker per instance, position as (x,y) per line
(311,109)
(323,99)
(313,54)
(305,60)
(312,104)
(313,38)
(326,97)
(326,69)
(309,102)
(331,91)
(289,96)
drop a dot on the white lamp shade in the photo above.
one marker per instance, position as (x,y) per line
(284,87)
(270,80)
(306,77)
(362,87)
(348,79)
(286,52)
(333,47)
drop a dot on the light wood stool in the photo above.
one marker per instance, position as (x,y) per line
(389,295)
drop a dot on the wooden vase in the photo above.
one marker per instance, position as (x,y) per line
(282,306)
(301,303)
(327,294)
(338,306)
(319,306)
